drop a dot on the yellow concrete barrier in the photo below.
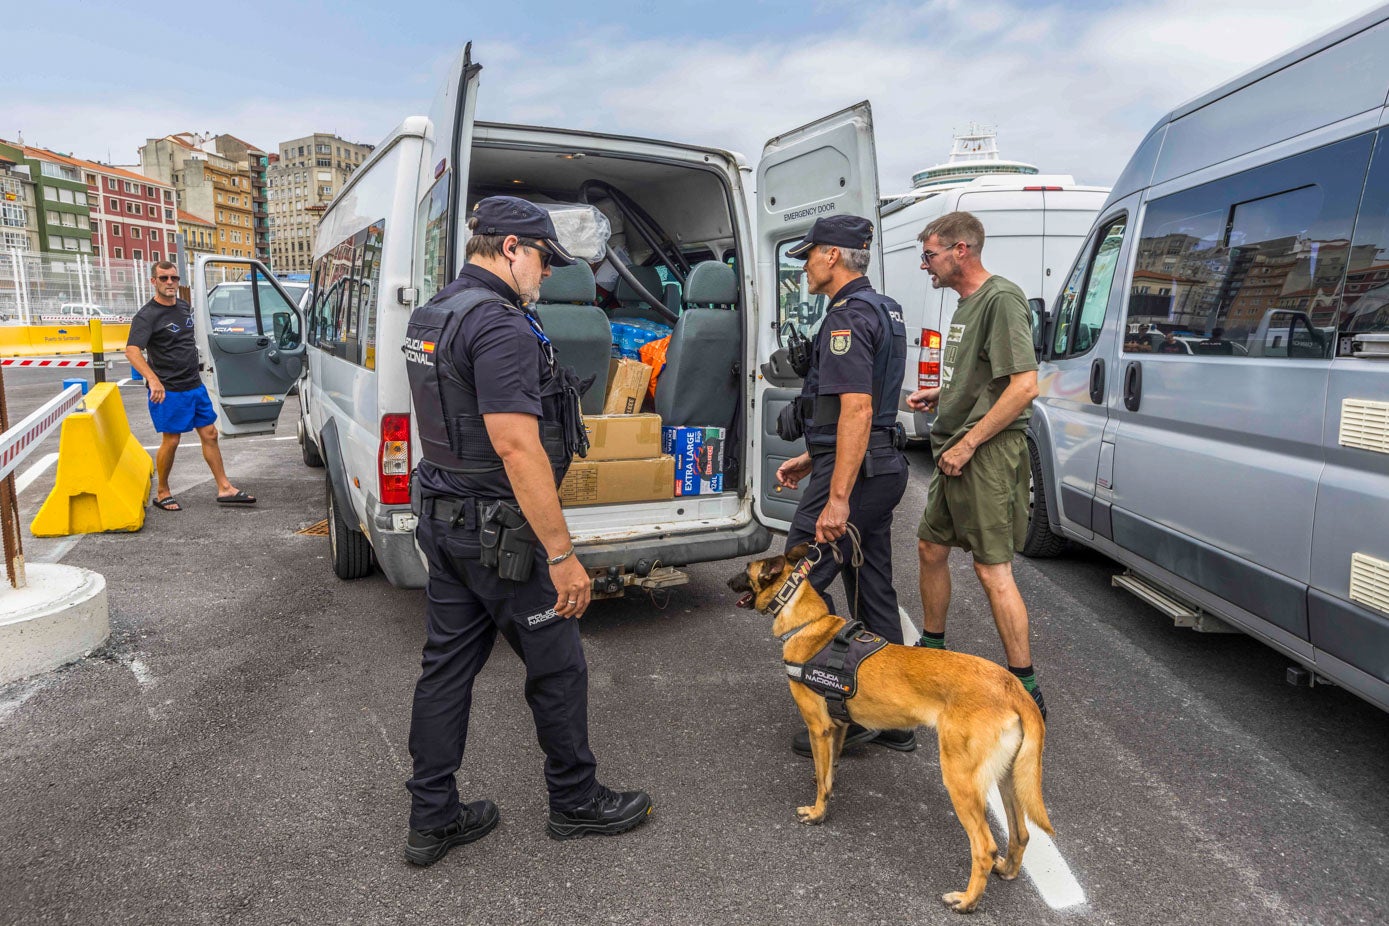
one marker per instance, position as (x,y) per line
(53,340)
(103,473)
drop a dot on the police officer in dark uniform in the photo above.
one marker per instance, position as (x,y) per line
(499,422)
(847,412)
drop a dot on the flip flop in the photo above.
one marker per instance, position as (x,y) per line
(240,498)
(168,503)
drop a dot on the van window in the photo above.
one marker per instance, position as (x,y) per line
(1252,264)
(1082,305)
(796,306)
(371,279)
(432,232)
(1365,305)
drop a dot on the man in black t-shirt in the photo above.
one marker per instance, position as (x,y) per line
(178,401)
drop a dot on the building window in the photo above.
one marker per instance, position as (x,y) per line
(168,196)
(154,255)
(115,203)
(168,215)
(137,255)
(128,186)
(115,229)
(120,254)
(149,192)
(111,183)
(222,235)
(152,212)
(154,234)
(91,180)
(135,231)
(50,194)
(65,196)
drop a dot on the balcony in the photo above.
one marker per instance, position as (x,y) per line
(9,186)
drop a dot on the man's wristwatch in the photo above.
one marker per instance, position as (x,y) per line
(556,560)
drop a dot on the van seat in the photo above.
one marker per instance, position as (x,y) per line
(578,328)
(634,306)
(699,385)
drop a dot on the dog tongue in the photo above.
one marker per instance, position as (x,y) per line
(745,599)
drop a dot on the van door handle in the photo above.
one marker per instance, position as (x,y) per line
(1133,385)
(1097,381)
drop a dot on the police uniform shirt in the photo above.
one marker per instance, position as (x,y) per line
(848,342)
(498,355)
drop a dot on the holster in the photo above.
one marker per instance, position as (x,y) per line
(506,540)
(790,421)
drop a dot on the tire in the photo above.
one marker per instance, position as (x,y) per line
(350,548)
(1041,543)
(308,448)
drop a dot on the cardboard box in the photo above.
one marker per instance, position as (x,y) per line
(627,381)
(698,454)
(604,482)
(623,437)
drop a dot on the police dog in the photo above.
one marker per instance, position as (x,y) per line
(990,730)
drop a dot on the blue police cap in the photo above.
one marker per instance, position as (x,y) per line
(842,231)
(510,215)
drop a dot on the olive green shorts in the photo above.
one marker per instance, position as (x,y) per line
(984,509)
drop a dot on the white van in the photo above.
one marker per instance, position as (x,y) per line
(1033,226)
(1214,386)
(394,236)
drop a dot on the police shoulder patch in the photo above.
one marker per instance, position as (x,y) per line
(840,341)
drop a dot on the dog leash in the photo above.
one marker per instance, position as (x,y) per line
(855,555)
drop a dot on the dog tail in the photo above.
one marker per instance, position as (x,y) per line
(1027,767)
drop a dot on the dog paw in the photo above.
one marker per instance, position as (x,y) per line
(955,900)
(1002,868)
(810,816)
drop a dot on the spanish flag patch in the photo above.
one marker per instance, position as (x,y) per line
(427,346)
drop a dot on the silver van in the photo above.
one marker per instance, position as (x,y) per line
(699,251)
(1214,409)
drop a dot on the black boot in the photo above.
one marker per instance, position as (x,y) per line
(608,812)
(474,821)
(900,740)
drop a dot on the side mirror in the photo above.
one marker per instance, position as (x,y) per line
(281,324)
(1038,308)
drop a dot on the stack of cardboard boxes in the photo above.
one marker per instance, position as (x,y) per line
(631,458)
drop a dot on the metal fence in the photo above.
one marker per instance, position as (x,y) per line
(34,285)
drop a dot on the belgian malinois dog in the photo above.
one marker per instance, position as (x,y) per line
(990,730)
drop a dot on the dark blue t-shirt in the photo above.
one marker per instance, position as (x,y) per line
(498,355)
(165,333)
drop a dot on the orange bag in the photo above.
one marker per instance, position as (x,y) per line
(653,354)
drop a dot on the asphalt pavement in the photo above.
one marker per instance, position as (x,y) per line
(237,753)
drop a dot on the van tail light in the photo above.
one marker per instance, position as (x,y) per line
(393,460)
(928,370)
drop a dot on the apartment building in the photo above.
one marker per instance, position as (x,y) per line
(62,213)
(19,223)
(253,162)
(208,184)
(199,234)
(303,177)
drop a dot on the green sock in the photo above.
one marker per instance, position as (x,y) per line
(1026,676)
(931,640)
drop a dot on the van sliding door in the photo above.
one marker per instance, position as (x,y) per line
(829,167)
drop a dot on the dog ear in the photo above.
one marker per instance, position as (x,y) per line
(771,568)
(797,553)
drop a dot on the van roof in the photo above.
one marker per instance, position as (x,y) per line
(989,182)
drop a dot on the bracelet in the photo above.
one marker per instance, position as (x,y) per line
(556,560)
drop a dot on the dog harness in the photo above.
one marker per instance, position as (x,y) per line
(833,671)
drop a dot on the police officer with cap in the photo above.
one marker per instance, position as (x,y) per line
(499,422)
(847,412)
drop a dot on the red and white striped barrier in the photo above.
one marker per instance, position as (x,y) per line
(44,362)
(20,440)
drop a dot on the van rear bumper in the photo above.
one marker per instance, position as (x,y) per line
(678,549)
(395,550)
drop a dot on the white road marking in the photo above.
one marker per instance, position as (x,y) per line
(909,632)
(1042,862)
(124,381)
(60,549)
(27,477)
(22,692)
(140,671)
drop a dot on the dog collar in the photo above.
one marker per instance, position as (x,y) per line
(793,582)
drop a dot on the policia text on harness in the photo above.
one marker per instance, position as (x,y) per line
(455,438)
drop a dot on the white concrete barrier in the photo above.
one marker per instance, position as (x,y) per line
(60,616)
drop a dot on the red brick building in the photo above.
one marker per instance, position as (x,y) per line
(134,217)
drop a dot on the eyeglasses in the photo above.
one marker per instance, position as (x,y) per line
(928,256)
(545,255)
(168,278)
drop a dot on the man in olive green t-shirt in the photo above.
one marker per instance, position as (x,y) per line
(977,498)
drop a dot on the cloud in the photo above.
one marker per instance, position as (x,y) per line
(1071,87)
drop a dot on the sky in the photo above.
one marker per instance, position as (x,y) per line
(1070,86)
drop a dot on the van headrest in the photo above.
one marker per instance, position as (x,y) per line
(572,285)
(712,283)
(646,276)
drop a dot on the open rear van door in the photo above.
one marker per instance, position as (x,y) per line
(250,340)
(442,208)
(829,167)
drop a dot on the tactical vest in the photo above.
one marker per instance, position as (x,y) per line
(452,432)
(833,671)
(889,364)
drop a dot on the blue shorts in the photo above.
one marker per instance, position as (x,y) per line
(183,411)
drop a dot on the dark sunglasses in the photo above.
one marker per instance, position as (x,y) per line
(928,256)
(545,255)
(165,278)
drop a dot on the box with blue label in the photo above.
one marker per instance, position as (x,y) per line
(698,454)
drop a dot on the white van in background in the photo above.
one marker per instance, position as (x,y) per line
(1033,227)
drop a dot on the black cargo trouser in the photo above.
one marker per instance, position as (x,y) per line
(467,606)
(872,599)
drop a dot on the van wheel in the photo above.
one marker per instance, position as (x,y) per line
(1041,543)
(349,546)
(308,448)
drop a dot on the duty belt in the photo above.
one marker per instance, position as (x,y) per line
(452,509)
(833,671)
(878,439)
